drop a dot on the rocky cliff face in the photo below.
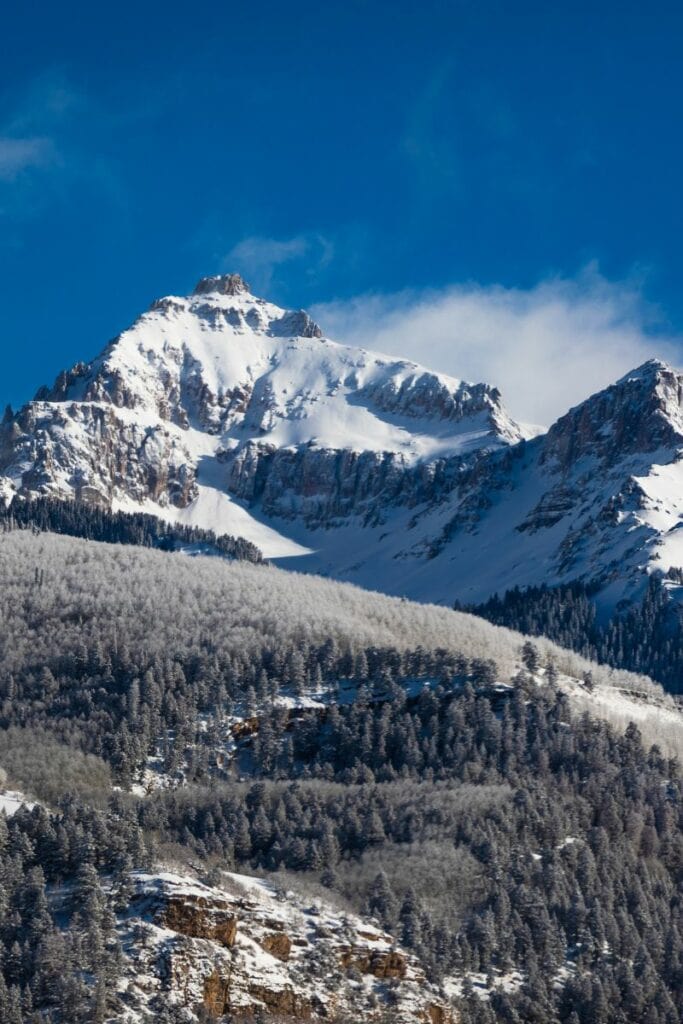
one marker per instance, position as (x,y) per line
(245,951)
(322,487)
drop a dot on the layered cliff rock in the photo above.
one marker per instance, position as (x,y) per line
(245,951)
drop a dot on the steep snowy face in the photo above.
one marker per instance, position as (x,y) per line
(202,392)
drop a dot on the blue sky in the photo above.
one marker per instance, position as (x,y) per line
(347,156)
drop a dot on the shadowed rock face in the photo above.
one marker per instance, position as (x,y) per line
(216,995)
(284,1003)
(436,1014)
(384,964)
(641,413)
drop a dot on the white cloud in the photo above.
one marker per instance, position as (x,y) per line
(21,154)
(28,135)
(258,258)
(546,348)
(45,152)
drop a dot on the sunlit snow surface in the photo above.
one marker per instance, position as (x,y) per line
(11,801)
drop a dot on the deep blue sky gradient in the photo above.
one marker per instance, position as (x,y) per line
(398,144)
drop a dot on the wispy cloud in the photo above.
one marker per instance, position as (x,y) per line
(258,258)
(30,129)
(547,348)
(45,150)
(18,155)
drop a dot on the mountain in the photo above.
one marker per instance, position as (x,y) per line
(222,411)
(223,395)
(596,499)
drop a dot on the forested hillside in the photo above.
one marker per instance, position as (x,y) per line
(482,797)
(112,648)
(646,638)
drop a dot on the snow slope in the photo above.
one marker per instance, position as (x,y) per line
(11,801)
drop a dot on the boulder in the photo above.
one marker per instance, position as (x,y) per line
(278,944)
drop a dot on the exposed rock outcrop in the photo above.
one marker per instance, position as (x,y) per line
(380,963)
(278,944)
(198,916)
(222,284)
(247,950)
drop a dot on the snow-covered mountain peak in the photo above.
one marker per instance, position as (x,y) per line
(184,411)
(641,413)
(226,361)
(648,372)
(654,385)
(223,410)
(225,306)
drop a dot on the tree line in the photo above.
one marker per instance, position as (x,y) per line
(95,522)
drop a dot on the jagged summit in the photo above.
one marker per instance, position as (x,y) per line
(642,412)
(222,284)
(647,371)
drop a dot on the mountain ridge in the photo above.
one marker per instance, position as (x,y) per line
(222,411)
